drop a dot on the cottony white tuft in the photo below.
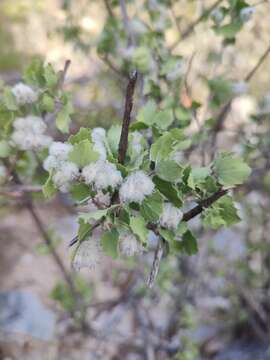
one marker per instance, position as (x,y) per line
(135,187)
(89,254)
(247,13)
(129,245)
(64,175)
(101,175)
(29,133)
(60,150)
(24,94)
(98,137)
(170,217)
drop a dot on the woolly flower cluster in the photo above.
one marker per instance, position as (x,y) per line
(98,137)
(24,94)
(64,171)
(29,134)
(89,255)
(3,174)
(170,217)
(135,187)
(102,175)
(129,245)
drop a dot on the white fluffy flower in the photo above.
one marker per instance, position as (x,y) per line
(60,150)
(247,13)
(64,175)
(50,163)
(98,134)
(24,94)
(89,254)
(129,245)
(29,133)
(102,199)
(58,157)
(170,217)
(101,175)
(3,174)
(98,137)
(217,15)
(239,88)
(135,187)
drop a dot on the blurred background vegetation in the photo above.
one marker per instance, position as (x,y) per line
(214,305)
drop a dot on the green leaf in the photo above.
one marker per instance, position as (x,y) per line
(168,235)
(147,113)
(83,153)
(164,119)
(138,226)
(161,148)
(113,137)
(82,134)
(50,76)
(228,210)
(9,100)
(168,190)
(5,149)
(34,74)
(109,243)
(84,230)
(141,59)
(63,118)
(151,207)
(80,192)
(96,215)
(231,170)
(189,243)
(230,30)
(48,188)
(47,103)
(221,213)
(221,90)
(167,143)
(197,176)
(169,170)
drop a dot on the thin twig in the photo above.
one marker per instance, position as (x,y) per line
(93,227)
(204,204)
(186,217)
(63,74)
(128,30)
(192,26)
(123,144)
(108,8)
(18,191)
(227,107)
(156,263)
(258,65)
